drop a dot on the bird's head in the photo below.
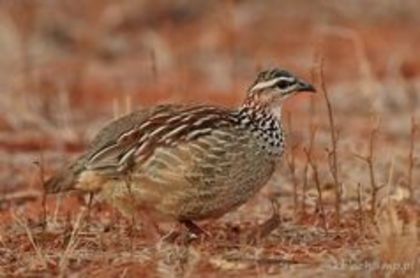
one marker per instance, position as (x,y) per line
(273,86)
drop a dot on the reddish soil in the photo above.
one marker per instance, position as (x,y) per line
(67,68)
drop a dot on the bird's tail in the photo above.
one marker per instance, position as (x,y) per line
(64,180)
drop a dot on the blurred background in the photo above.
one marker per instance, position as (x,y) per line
(68,66)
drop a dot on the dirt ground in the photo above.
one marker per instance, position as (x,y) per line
(347,190)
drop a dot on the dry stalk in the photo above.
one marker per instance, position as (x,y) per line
(291,162)
(20,196)
(389,183)
(22,222)
(315,175)
(72,244)
(411,157)
(308,151)
(370,160)
(360,209)
(40,165)
(264,229)
(89,205)
(332,154)
(133,219)
(304,187)
(397,236)
(59,200)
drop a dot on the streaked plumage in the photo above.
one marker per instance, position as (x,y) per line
(186,162)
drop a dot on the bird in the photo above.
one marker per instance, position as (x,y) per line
(187,163)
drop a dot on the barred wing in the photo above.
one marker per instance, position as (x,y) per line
(133,138)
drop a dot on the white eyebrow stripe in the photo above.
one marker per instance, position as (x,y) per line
(270,83)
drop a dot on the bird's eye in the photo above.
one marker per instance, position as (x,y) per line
(283,84)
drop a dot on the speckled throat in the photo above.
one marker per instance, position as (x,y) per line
(264,125)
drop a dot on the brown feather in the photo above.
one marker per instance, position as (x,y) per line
(185,162)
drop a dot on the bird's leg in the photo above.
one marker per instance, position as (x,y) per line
(184,237)
(194,228)
(151,229)
(268,226)
(89,205)
(173,235)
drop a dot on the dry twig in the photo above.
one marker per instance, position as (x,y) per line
(315,175)
(332,154)
(40,165)
(133,219)
(22,222)
(411,157)
(291,162)
(360,208)
(72,244)
(370,160)
(20,196)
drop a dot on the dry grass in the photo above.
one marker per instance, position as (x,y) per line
(347,193)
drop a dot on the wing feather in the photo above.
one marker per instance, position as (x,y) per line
(135,136)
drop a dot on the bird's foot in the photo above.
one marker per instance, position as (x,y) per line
(195,229)
(263,230)
(185,236)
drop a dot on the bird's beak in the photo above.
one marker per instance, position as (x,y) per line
(305,87)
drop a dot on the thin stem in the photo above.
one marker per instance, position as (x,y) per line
(333,158)
(411,157)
